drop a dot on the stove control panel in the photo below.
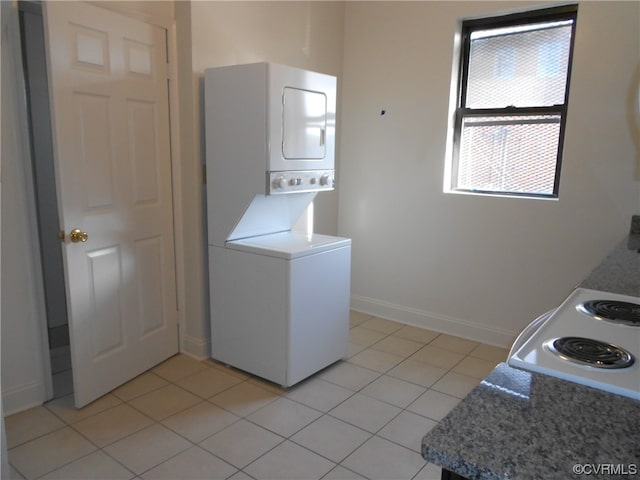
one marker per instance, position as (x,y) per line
(300,181)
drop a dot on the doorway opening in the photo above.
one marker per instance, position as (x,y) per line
(40,135)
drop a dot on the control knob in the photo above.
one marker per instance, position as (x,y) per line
(280,182)
(325,180)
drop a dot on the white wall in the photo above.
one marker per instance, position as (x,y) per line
(300,34)
(478,267)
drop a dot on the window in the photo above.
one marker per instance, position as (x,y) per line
(512,103)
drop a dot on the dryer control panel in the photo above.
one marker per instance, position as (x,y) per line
(300,181)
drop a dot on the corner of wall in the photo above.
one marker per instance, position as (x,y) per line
(198,348)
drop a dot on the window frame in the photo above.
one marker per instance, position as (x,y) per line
(565,12)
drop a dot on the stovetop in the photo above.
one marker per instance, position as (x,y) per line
(580,342)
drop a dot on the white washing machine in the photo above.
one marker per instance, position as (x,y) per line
(280,305)
(279,299)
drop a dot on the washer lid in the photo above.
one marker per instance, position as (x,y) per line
(288,245)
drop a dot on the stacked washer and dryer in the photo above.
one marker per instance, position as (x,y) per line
(279,298)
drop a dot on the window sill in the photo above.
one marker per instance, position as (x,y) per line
(524,196)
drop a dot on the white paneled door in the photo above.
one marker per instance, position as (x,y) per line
(109,96)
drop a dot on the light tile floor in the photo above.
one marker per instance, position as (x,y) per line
(360,418)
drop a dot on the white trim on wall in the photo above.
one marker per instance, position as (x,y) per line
(22,397)
(198,348)
(433,321)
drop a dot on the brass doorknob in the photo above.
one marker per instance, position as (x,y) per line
(76,235)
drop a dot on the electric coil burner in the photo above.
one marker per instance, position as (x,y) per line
(591,339)
(587,351)
(612,311)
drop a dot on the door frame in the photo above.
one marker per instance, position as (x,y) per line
(169,25)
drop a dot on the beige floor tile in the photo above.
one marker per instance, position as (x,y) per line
(381,325)
(456,384)
(354,349)
(365,336)
(240,475)
(267,385)
(416,334)
(454,344)
(341,473)
(200,421)
(241,443)
(228,369)
(398,346)
(112,425)
(95,466)
(140,385)
(438,357)
(33,423)
(393,390)
(429,472)
(433,404)
(284,417)
(64,407)
(45,454)
(319,394)
(380,459)
(407,429)
(178,366)
(192,464)
(376,360)
(147,448)
(209,382)
(164,402)
(417,372)
(356,318)
(491,353)
(349,376)
(278,464)
(475,367)
(331,438)
(244,399)
(14,474)
(365,412)
(156,451)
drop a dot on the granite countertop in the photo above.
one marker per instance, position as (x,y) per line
(620,271)
(523,425)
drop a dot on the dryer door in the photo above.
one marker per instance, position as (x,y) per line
(304,124)
(302,120)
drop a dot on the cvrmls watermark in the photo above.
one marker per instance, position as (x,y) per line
(605,469)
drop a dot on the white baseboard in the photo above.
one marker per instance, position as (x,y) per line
(23,397)
(198,348)
(433,321)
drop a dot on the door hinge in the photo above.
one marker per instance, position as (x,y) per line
(204,173)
